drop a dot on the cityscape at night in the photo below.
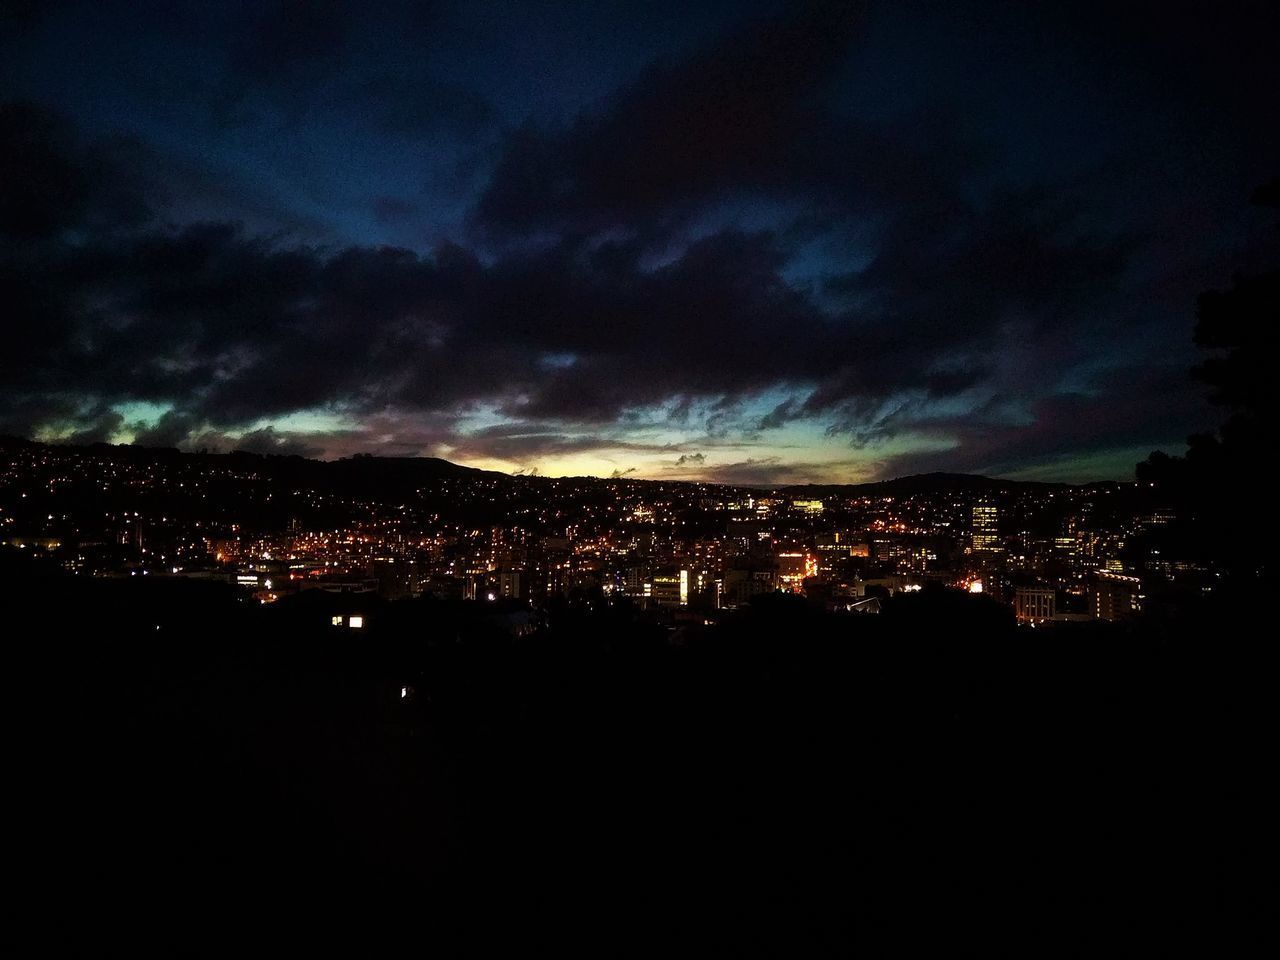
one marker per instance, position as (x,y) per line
(782,478)
(372,531)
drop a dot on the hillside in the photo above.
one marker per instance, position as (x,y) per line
(922,483)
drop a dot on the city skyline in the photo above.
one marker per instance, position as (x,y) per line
(373,530)
(759,243)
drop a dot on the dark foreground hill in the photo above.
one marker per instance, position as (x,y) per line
(790,783)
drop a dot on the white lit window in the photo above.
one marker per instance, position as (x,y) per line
(355,622)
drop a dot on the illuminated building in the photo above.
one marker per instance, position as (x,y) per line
(1115,596)
(889,585)
(741,584)
(671,589)
(634,582)
(986,521)
(793,568)
(836,545)
(508,584)
(1031,604)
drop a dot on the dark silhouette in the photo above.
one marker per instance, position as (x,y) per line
(1225,479)
(789,781)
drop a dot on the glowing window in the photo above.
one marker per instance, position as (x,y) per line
(337,621)
(355,622)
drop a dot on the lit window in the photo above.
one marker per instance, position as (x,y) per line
(355,622)
(336,621)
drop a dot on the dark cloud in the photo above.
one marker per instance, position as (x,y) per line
(772,472)
(24,416)
(51,181)
(99,428)
(231,329)
(768,231)
(171,430)
(1120,409)
(737,115)
(371,69)
(520,442)
(267,440)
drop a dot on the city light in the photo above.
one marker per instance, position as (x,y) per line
(667,548)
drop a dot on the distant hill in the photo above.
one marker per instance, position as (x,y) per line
(366,470)
(367,474)
(356,474)
(919,484)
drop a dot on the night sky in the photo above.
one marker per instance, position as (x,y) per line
(752,242)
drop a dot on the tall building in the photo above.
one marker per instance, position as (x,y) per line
(793,568)
(1031,604)
(671,589)
(1114,596)
(508,583)
(986,528)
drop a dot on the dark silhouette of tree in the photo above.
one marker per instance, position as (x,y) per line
(1242,322)
(1224,479)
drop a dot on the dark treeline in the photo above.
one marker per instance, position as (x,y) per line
(789,782)
(1226,481)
